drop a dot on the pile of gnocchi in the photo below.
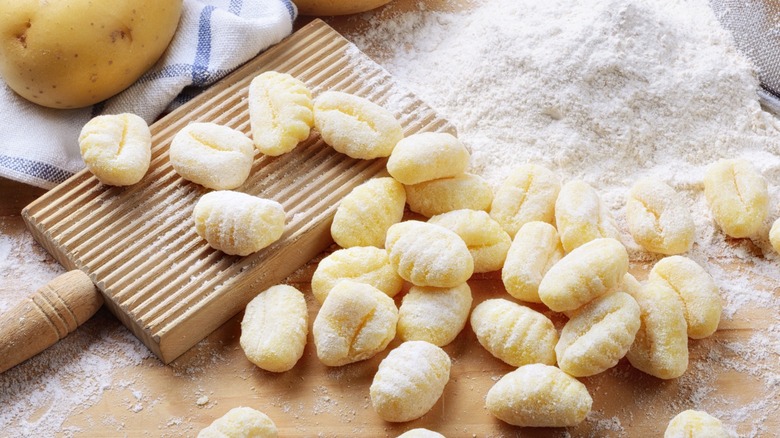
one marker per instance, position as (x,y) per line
(555,244)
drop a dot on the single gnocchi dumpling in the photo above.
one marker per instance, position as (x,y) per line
(241,422)
(280,112)
(420,433)
(534,250)
(427,156)
(658,219)
(462,192)
(695,424)
(435,315)
(409,381)
(237,223)
(212,155)
(355,322)
(428,255)
(274,328)
(487,242)
(365,214)
(738,196)
(117,149)
(513,333)
(363,264)
(356,126)
(527,195)
(539,395)
(581,216)
(774,235)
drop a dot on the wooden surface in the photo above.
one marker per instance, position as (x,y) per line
(151,399)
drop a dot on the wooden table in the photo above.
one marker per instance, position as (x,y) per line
(147,398)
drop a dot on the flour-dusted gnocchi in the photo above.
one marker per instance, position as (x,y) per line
(364,215)
(420,433)
(598,335)
(241,422)
(774,235)
(214,156)
(355,322)
(487,242)
(434,315)
(237,223)
(409,381)
(116,148)
(428,255)
(513,333)
(539,395)
(581,216)
(363,264)
(356,126)
(274,328)
(427,156)
(534,250)
(658,219)
(695,424)
(589,271)
(464,191)
(737,195)
(280,112)
(527,195)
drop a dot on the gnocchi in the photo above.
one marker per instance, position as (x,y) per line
(692,424)
(487,242)
(434,315)
(355,322)
(584,274)
(409,381)
(464,191)
(527,195)
(214,156)
(774,235)
(427,156)
(513,333)
(356,126)
(534,250)
(581,216)
(363,264)
(241,422)
(365,214)
(280,112)
(428,255)
(237,223)
(658,218)
(274,328)
(539,395)
(420,433)
(598,335)
(117,149)
(737,195)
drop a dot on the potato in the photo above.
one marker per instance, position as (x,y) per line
(336,7)
(74,53)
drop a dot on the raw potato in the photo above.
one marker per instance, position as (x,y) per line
(336,7)
(241,422)
(70,54)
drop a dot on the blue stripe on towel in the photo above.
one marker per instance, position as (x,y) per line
(200,68)
(235,7)
(35,169)
(290,8)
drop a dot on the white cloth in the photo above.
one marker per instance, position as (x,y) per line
(39,146)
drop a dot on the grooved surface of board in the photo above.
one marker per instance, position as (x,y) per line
(138,243)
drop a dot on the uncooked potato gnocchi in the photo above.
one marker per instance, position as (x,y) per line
(695,424)
(434,315)
(528,194)
(462,192)
(420,433)
(658,219)
(738,196)
(581,216)
(487,242)
(427,156)
(364,215)
(534,250)
(237,223)
(409,381)
(280,112)
(363,264)
(241,422)
(116,148)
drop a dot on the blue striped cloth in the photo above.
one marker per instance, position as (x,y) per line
(39,146)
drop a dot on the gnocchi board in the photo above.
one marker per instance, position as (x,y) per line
(138,243)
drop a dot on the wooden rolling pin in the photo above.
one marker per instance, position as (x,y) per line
(49,315)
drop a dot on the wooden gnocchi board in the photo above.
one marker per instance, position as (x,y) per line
(138,243)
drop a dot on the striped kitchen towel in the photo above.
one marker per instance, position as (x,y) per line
(39,146)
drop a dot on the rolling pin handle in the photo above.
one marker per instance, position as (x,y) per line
(50,314)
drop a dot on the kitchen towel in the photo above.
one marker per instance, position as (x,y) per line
(39,146)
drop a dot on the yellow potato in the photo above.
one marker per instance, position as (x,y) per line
(336,7)
(70,54)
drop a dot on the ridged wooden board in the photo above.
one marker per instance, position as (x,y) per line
(138,243)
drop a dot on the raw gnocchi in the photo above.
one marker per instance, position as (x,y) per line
(527,195)
(409,381)
(280,112)
(428,255)
(237,223)
(774,235)
(355,322)
(434,315)
(487,242)
(427,156)
(658,219)
(117,149)
(464,191)
(581,216)
(420,433)
(737,195)
(539,395)
(693,424)
(274,328)
(241,422)
(363,264)
(534,250)
(364,215)
(356,126)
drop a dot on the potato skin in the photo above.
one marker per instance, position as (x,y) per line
(74,53)
(336,7)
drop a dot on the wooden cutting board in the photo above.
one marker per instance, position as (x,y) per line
(138,243)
